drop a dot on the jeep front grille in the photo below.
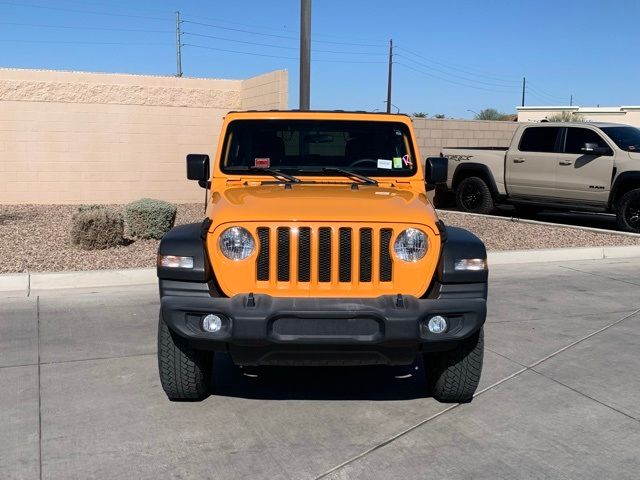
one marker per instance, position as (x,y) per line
(297,248)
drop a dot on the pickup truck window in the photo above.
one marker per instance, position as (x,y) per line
(539,139)
(627,138)
(299,147)
(577,137)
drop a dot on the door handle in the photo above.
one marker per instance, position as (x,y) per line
(565,162)
(518,160)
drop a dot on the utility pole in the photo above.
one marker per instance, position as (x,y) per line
(305,54)
(390,75)
(524,87)
(178,46)
(571,101)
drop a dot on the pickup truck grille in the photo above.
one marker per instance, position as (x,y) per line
(332,251)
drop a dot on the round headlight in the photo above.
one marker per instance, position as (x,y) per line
(411,245)
(236,243)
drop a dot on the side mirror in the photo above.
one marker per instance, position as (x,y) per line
(436,170)
(594,149)
(198,168)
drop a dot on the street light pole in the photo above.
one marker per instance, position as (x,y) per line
(305,54)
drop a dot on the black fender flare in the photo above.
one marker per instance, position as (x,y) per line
(620,181)
(459,243)
(187,241)
(479,168)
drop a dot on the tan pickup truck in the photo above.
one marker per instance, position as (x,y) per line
(567,166)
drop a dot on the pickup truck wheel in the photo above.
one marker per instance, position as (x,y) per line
(473,195)
(628,211)
(184,371)
(454,375)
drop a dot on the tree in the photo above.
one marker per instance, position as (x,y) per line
(439,115)
(565,116)
(491,114)
(420,114)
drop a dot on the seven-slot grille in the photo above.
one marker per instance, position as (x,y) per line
(324,246)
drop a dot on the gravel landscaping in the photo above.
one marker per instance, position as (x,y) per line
(35,238)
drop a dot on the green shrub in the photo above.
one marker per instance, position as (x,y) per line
(97,228)
(148,218)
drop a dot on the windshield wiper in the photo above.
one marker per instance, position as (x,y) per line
(347,173)
(276,173)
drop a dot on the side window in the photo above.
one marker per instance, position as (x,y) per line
(539,139)
(577,137)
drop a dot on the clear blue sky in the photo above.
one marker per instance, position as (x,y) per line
(451,56)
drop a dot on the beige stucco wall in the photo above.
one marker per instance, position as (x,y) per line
(434,134)
(70,137)
(629,115)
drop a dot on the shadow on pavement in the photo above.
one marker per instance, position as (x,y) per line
(318,383)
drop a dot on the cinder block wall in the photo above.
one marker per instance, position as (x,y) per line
(434,134)
(70,137)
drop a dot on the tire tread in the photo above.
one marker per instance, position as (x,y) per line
(184,371)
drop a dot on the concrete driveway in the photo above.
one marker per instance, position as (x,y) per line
(80,395)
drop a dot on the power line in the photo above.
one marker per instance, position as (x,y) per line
(270,45)
(231,29)
(239,41)
(74,27)
(82,42)
(454,75)
(239,52)
(274,35)
(452,81)
(271,28)
(546,94)
(452,66)
(277,56)
(89,12)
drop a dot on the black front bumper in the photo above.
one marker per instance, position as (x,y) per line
(264,330)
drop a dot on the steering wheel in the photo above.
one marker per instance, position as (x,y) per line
(363,161)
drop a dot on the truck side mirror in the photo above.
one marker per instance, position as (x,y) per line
(594,149)
(198,168)
(436,170)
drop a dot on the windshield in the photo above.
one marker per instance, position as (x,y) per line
(314,147)
(627,138)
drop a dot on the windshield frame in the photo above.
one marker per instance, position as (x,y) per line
(316,171)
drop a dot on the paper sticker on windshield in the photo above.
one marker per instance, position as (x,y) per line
(386,164)
(407,161)
(397,162)
(262,163)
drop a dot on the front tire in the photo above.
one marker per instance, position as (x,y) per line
(628,211)
(473,196)
(453,376)
(184,371)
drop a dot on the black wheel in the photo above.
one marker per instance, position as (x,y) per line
(628,211)
(473,195)
(184,371)
(453,375)
(528,211)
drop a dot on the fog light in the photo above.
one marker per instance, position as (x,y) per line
(437,324)
(212,323)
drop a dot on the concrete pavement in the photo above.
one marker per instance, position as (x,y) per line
(559,394)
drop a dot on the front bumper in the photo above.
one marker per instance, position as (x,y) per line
(265,330)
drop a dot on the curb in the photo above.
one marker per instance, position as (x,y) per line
(515,257)
(25,284)
(540,222)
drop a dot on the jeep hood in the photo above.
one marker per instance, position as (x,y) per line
(320,203)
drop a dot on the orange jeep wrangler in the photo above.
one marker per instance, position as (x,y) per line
(320,247)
